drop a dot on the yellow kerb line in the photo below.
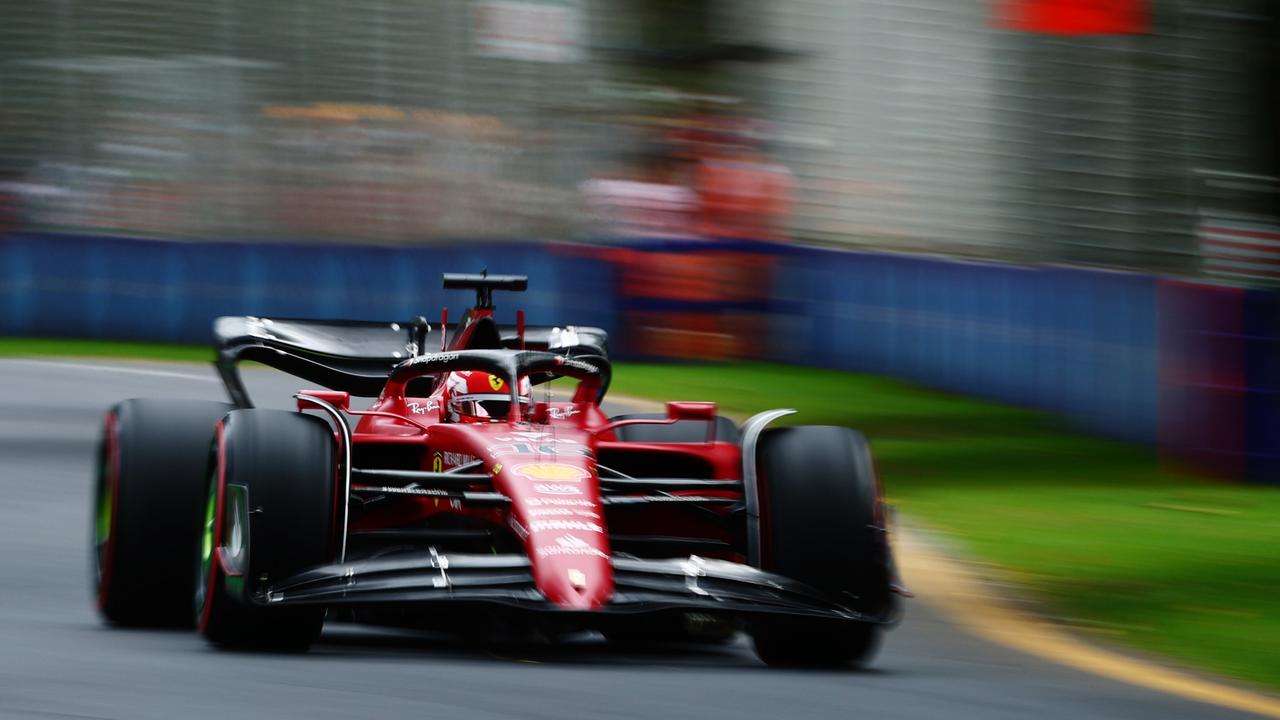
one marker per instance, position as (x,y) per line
(967,602)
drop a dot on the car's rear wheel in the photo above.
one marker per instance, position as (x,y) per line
(149,491)
(822,523)
(269,513)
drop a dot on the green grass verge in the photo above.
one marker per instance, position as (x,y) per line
(1097,530)
(27,347)
(1109,540)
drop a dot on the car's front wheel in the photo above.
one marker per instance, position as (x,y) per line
(269,513)
(822,523)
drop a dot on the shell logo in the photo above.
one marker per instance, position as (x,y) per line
(552,471)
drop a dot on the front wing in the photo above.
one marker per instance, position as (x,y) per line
(641,586)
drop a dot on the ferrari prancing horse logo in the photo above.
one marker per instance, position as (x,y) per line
(496,382)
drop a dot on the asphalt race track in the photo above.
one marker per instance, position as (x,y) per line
(58,660)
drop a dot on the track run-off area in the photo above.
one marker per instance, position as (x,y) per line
(58,660)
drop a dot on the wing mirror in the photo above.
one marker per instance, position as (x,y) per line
(676,411)
(692,411)
(340,400)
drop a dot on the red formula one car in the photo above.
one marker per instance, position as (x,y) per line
(469,498)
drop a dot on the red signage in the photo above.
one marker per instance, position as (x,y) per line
(1073,17)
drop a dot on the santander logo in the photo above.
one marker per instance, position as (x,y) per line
(570,545)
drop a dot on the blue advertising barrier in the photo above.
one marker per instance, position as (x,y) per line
(120,288)
(1107,349)
(1072,341)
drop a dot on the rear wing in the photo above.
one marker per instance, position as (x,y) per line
(357,356)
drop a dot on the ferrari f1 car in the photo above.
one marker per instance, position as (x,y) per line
(469,497)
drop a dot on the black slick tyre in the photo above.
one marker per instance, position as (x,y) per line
(269,513)
(149,491)
(822,523)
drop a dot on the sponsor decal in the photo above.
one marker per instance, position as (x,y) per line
(585,367)
(453,458)
(497,468)
(556,489)
(561,512)
(508,450)
(437,462)
(432,358)
(429,492)
(548,446)
(522,436)
(557,472)
(562,413)
(496,382)
(570,545)
(418,408)
(550,512)
(545,525)
(559,502)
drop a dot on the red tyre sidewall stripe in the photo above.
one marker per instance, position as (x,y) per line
(107,562)
(211,589)
(881,520)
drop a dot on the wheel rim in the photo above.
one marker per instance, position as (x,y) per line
(104,509)
(207,543)
(103,524)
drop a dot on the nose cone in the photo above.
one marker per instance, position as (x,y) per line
(556,511)
(578,582)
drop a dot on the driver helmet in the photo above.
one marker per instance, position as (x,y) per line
(474,396)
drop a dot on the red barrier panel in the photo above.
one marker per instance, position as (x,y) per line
(699,302)
(1203,383)
(1073,17)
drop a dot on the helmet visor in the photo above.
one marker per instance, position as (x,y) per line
(493,406)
